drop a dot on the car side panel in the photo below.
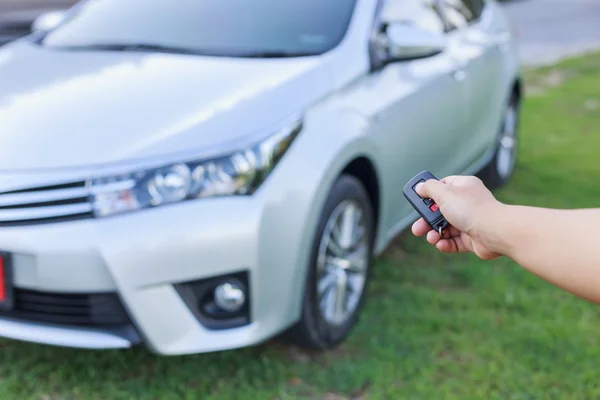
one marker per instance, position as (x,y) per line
(483,48)
(416,114)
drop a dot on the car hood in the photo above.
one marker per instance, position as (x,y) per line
(61,109)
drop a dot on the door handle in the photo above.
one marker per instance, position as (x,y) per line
(459,72)
(501,41)
(498,39)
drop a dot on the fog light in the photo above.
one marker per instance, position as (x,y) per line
(230,296)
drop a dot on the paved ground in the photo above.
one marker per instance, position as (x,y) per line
(549,29)
(554,29)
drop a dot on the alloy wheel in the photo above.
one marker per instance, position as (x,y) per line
(342,263)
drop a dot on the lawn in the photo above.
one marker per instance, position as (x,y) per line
(435,327)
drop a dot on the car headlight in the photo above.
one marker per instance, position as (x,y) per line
(237,173)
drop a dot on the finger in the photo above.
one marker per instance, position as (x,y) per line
(461,180)
(433,237)
(431,189)
(448,245)
(445,246)
(461,246)
(453,245)
(453,231)
(447,233)
(420,227)
(452,179)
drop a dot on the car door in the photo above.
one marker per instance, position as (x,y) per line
(479,51)
(417,107)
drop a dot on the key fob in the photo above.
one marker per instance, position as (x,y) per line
(425,207)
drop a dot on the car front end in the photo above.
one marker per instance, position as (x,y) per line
(183,254)
(162,194)
(89,263)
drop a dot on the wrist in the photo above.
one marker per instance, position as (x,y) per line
(495,229)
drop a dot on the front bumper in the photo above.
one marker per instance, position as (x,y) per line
(80,337)
(144,255)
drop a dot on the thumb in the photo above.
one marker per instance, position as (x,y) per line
(432,189)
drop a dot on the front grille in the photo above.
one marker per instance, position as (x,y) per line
(45,204)
(102,309)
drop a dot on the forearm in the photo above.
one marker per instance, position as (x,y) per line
(560,246)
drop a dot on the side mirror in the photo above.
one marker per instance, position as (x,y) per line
(48,21)
(405,42)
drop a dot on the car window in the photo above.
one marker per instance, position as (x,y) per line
(223,27)
(460,13)
(476,7)
(422,13)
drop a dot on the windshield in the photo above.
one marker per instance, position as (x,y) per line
(213,27)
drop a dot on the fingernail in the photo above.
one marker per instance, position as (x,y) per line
(419,185)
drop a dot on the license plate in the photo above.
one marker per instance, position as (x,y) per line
(6,281)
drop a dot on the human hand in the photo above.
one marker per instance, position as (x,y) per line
(470,208)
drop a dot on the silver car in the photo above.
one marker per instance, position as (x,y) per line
(199,175)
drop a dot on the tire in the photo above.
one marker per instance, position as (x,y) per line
(500,169)
(318,329)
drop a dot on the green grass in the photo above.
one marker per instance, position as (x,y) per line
(435,327)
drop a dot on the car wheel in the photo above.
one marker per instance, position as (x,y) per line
(499,171)
(339,268)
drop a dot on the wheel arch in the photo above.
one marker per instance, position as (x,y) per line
(363,169)
(517,88)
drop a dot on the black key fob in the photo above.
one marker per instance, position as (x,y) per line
(425,207)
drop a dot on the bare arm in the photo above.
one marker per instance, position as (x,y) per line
(560,246)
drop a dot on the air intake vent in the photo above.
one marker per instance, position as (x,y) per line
(102,309)
(45,204)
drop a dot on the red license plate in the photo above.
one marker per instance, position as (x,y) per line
(6,280)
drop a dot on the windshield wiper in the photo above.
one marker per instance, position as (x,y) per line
(274,54)
(148,47)
(142,47)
